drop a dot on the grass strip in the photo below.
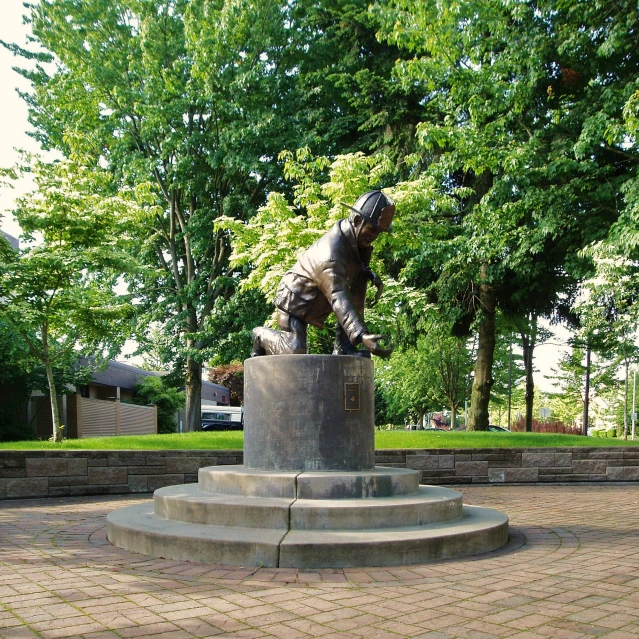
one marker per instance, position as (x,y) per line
(234,440)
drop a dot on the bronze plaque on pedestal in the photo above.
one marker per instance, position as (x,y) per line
(351,396)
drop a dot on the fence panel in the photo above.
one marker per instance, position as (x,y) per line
(98,418)
(137,420)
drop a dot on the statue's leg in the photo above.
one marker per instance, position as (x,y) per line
(343,345)
(290,339)
(294,335)
(259,334)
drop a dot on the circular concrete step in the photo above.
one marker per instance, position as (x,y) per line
(478,531)
(188,503)
(377,482)
(138,529)
(237,480)
(431,504)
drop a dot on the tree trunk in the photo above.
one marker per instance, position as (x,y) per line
(625,402)
(483,382)
(510,379)
(193,394)
(528,343)
(53,394)
(453,415)
(586,392)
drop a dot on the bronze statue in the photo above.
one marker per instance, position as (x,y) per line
(331,276)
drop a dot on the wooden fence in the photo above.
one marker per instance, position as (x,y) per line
(87,417)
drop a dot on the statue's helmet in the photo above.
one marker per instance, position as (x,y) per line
(376,208)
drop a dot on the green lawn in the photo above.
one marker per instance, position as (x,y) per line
(385,439)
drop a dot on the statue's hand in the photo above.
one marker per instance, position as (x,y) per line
(370,343)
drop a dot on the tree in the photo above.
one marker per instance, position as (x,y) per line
(431,374)
(58,294)
(507,371)
(231,376)
(526,103)
(610,312)
(568,404)
(20,374)
(231,324)
(190,103)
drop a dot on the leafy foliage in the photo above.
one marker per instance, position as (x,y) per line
(232,377)
(58,294)
(154,390)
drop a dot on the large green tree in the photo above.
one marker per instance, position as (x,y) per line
(525,101)
(190,103)
(57,293)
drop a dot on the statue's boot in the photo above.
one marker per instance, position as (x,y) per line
(343,346)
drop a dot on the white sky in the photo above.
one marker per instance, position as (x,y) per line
(14,124)
(13,111)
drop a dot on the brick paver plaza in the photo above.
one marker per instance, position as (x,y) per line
(570,571)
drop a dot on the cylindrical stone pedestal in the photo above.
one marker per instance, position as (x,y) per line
(309,412)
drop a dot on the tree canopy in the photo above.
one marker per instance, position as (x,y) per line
(224,136)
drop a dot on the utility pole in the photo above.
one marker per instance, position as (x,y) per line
(586,392)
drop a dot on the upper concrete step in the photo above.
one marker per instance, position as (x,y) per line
(237,480)
(378,482)
(479,530)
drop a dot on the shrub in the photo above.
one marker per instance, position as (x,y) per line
(153,390)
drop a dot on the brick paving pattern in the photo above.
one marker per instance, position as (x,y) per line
(569,571)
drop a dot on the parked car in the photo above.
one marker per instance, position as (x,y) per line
(223,418)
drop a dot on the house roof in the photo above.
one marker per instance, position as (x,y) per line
(12,240)
(127,376)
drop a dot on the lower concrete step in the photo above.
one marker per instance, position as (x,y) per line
(138,529)
(479,530)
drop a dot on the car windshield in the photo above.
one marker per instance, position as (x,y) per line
(217,416)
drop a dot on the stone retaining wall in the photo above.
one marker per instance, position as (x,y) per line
(60,473)
(516,465)
(105,472)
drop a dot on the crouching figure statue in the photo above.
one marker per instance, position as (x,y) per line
(331,276)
